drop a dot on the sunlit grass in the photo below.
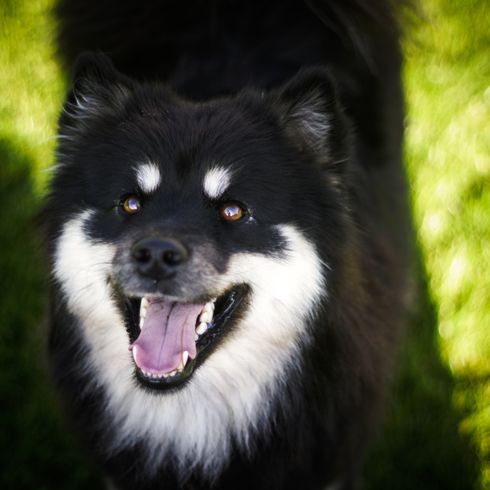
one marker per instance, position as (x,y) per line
(448,147)
(31,84)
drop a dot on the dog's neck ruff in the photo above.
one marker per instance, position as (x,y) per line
(229,398)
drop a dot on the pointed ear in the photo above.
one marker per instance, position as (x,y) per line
(309,111)
(97,87)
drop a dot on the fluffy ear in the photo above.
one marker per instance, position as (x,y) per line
(309,111)
(97,87)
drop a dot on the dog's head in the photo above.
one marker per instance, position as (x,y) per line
(185,230)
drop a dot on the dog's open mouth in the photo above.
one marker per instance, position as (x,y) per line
(170,339)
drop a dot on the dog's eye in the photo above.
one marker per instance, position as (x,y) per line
(131,205)
(231,212)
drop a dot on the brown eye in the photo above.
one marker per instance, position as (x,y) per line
(131,205)
(231,212)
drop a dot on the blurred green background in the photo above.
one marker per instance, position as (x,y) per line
(437,430)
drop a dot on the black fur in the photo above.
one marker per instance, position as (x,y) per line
(241,70)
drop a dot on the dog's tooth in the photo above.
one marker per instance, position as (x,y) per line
(201,328)
(185,358)
(209,307)
(196,337)
(207,313)
(143,307)
(205,317)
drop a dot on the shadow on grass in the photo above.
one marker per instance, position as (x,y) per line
(36,452)
(421,447)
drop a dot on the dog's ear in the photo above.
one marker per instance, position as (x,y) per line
(308,110)
(97,87)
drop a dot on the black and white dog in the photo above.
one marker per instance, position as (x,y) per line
(229,238)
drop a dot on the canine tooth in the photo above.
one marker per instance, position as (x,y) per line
(143,307)
(205,317)
(209,306)
(196,337)
(185,358)
(202,327)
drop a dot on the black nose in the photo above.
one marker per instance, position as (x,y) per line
(158,258)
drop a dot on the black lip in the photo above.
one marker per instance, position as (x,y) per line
(228,308)
(131,309)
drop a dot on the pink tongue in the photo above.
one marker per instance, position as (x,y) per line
(167,332)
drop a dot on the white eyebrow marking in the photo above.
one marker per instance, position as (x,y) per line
(216,181)
(148,176)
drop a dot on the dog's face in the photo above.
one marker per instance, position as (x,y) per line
(197,236)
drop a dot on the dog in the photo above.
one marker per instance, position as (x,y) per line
(229,238)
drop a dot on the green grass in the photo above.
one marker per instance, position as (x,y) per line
(448,152)
(437,431)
